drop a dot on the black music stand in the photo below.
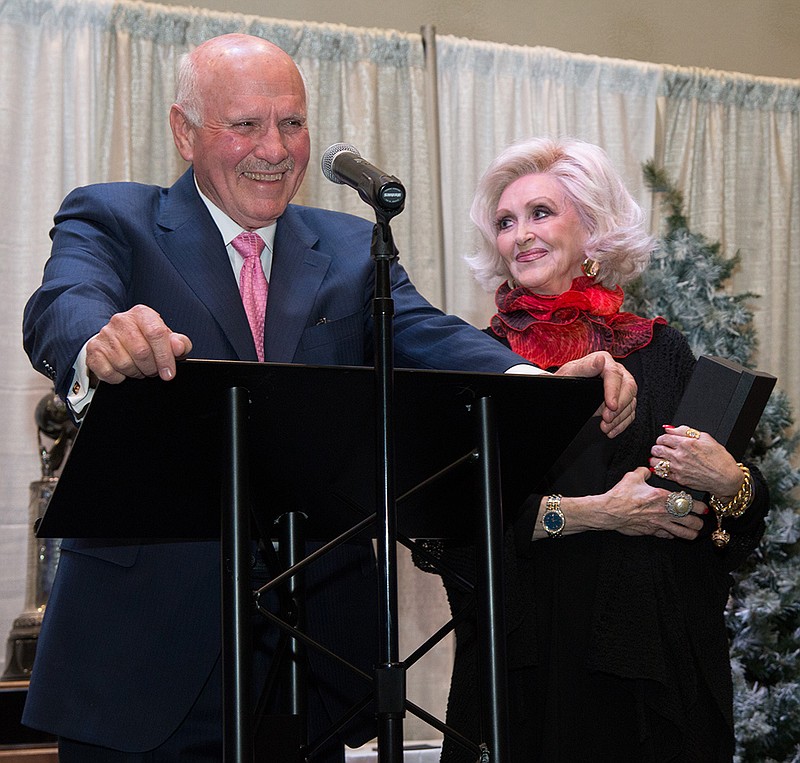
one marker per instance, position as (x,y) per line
(205,431)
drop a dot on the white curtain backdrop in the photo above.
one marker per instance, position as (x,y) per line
(492,95)
(732,143)
(85,86)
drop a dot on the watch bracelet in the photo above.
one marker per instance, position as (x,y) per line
(553,504)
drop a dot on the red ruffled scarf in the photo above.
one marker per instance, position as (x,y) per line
(550,330)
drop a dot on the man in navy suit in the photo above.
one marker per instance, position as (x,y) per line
(127,667)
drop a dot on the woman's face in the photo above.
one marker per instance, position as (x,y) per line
(539,234)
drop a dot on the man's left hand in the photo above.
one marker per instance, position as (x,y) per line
(619,389)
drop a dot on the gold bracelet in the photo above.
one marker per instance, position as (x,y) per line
(740,502)
(733,508)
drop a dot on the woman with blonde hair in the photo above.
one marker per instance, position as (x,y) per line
(617,647)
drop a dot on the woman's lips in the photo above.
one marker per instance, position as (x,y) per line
(530,255)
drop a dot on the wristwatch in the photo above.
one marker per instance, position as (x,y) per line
(553,519)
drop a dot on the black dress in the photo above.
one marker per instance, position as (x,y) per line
(617,647)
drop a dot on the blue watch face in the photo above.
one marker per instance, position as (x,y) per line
(552,521)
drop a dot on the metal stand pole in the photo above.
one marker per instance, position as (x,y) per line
(390,675)
(237,594)
(490,593)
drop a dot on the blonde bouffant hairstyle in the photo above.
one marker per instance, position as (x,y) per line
(616,236)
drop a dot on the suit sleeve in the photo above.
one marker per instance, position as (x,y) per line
(425,337)
(83,285)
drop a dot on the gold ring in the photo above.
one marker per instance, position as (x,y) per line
(679,504)
(661,469)
(693,433)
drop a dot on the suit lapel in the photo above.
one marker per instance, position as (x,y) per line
(192,242)
(297,275)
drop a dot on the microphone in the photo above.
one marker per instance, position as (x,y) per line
(342,164)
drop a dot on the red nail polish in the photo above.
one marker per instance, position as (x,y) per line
(667,426)
(651,469)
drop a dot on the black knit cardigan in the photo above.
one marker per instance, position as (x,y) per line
(658,610)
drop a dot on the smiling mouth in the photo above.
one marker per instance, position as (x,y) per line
(530,255)
(264,177)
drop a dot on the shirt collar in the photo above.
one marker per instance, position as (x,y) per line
(229,228)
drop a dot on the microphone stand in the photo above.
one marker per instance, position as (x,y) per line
(390,674)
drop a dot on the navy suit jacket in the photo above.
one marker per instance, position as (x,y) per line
(132,630)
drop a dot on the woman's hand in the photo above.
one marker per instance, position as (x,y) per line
(631,507)
(695,460)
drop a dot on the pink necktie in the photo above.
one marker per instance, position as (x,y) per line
(253,285)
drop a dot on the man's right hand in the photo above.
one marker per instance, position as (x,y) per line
(619,407)
(136,343)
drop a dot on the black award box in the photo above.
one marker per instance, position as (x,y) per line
(724,399)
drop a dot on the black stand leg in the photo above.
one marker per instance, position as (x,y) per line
(236,587)
(490,591)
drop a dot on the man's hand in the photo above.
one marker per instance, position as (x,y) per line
(136,343)
(619,389)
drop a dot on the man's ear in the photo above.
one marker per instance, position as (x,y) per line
(182,132)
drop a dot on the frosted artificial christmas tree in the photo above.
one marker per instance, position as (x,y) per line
(685,283)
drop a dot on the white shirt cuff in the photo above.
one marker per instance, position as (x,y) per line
(524,368)
(80,393)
